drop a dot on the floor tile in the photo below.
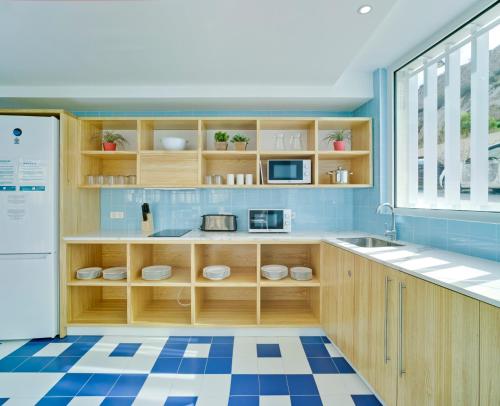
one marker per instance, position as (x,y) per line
(197,350)
(174,349)
(332,350)
(273,385)
(315,351)
(8,347)
(200,340)
(61,364)
(340,384)
(275,401)
(98,385)
(245,365)
(322,366)
(215,385)
(118,401)
(192,366)
(337,400)
(270,366)
(86,401)
(365,400)
(219,366)
(34,364)
(221,350)
(34,385)
(100,362)
(89,339)
(326,340)
(69,385)
(24,401)
(128,385)
(57,339)
(342,365)
(8,364)
(244,385)
(125,350)
(52,350)
(223,340)
(28,349)
(221,399)
(77,349)
(302,385)
(268,350)
(155,388)
(181,401)
(57,401)
(3,400)
(243,401)
(311,340)
(178,339)
(186,385)
(166,365)
(306,401)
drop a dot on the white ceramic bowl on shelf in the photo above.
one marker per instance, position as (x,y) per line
(301,273)
(92,272)
(115,273)
(274,272)
(216,272)
(156,272)
(173,143)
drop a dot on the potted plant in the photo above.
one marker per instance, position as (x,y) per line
(221,139)
(240,142)
(110,139)
(337,138)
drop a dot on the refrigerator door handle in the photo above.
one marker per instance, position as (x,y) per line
(14,257)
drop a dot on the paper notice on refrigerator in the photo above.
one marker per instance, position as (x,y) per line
(7,172)
(31,170)
(15,207)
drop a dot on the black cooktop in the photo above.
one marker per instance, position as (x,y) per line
(171,233)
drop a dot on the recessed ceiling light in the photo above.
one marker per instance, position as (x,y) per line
(365,9)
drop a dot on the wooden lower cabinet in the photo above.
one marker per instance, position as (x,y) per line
(416,343)
(489,355)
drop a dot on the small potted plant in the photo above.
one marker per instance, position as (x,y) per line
(221,139)
(240,142)
(110,139)
(337,138)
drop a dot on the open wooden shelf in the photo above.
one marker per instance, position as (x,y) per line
(86,255)
(158,305)
(290,306)
(226,306)
(157,168)
(240,276)
(289,282)
(97,305)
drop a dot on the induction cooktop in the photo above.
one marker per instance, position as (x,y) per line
(171,233)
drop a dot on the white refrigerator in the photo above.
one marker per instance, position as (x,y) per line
(29,233)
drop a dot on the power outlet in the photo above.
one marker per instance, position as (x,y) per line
(116,215)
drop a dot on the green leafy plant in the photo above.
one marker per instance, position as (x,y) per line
(112,137)
(221,136)
(240,138)
(337,135)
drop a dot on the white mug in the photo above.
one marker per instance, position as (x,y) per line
(248,179)
(230,178)
(240,179)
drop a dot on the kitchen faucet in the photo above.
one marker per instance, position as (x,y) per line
(391,233)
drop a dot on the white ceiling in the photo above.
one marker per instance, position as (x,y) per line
(219,54)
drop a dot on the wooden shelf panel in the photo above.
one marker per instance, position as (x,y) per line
(161,312)
(227,312)
(170,154)
(111,155)
(287,312)
(180,277)
(96,282)
(289,282)
(229,155)
(240,276)
(285,154)
(341,154)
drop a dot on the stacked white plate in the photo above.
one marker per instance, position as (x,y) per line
(92,272)
(156,272)
(216,272)
(115,273)
(274,272)
(301,273)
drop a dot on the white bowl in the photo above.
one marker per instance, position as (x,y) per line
(301,273)
(216,272)
(115,273)
(156,272)
(274,272)
(173,143)
(89,273)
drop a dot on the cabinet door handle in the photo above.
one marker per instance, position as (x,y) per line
(402,369)
(386,320)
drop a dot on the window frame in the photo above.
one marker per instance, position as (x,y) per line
(390,188)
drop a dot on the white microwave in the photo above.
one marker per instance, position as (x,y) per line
(269,220)
(289,171)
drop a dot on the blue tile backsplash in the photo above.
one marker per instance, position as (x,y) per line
(315,209)
(466,237)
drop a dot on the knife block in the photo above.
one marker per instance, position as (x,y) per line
(147,226)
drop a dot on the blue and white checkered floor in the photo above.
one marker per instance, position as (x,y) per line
(180,371)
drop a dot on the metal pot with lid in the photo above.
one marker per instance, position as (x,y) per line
(340,175)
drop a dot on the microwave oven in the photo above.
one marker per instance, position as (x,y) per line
(289,171)
(269,220)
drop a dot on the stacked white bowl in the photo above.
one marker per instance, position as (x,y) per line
(216,272)
(274,272)
(156,272)
(115,273)
(92,272)
(301,273)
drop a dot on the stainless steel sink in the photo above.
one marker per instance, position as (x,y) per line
(370,242)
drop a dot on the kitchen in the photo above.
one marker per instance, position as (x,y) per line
(200,254)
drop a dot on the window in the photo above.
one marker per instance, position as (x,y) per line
(447,122)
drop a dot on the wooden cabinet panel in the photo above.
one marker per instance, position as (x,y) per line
(375,328)
(439,347)
(489,355)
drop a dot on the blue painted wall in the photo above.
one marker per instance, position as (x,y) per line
(466,237)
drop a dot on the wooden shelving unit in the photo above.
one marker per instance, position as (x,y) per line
(243,299)
(145,158)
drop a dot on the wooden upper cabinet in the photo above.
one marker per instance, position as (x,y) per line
(439,345)
(375,328)
(489,355)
